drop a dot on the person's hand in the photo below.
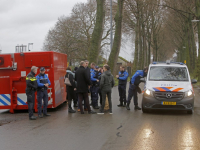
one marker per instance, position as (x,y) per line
(74,89)
(117,76)
(46,85)
(97,80)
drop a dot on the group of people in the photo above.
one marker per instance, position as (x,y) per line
(40,83)
(82,81)
(133,87)
(96,81)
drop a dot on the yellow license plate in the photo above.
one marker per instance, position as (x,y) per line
(168,103)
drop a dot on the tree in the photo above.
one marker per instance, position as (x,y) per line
(112,61)
(96,39)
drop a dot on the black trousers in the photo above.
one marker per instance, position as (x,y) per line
(42,95)
(81,97)
(132,92)
(104,93)
(122,92)
(31,102)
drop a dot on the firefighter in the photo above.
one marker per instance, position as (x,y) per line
(43,84)
(31,87)
(95,87)
(122,77)
(134,87)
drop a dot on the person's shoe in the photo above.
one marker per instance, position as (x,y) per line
(79,110)
(85,109)
(96,107)
(100,113)
(75,105)
(47,115)
(40,116)
(71,110)
(120,105)
(137,107)
(111,112)
(127,106)
(91,112)
(82,113)
(33,118)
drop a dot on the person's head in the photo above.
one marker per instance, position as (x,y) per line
(122,68)
(106,68)
(82,63)
(34,69)
(96,68)
(42,70)
(145,71)
(101,70)
(92,65)
(86,63)
(69,68)
(76,68)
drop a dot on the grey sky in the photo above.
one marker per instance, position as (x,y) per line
(28,21)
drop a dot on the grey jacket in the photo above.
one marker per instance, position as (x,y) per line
(107,81)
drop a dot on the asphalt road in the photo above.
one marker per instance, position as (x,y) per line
(124,130)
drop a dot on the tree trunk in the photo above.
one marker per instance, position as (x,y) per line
(117,39)
(135,63)
(95,43)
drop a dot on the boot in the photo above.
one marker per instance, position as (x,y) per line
(91,112)
(121,104)
(127,106)
(71,110)
(33,118)
(137,107)
(96,107)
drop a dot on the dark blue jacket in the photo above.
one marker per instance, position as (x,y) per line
(136,77)
(123,75)
(94,76)
(42,80)
(91,70)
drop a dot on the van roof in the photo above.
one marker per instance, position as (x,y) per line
(168,63)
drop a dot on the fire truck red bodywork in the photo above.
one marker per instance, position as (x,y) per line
(13,71)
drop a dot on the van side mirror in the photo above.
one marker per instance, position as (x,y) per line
(194,81)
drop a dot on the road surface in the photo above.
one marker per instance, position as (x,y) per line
(124,130)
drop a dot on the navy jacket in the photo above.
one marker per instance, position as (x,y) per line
(123,75)
(136,77)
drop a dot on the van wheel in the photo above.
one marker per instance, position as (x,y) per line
(144,110)
(190,112)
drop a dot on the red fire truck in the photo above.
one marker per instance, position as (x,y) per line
(14,69)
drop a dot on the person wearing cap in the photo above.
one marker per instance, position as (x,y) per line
(95,87)
(134,87)
(31,87)
(43,84)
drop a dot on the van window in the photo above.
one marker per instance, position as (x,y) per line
(165,73)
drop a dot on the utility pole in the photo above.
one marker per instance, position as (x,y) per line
(28,46)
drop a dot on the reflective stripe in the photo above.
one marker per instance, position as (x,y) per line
(31,79)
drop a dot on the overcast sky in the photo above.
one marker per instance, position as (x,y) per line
(28,21)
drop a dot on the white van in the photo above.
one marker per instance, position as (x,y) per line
(168,87)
